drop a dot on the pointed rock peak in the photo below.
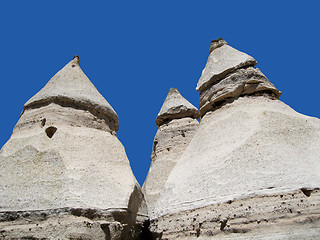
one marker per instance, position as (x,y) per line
(222,60)
(175,106)
(174,91)
(217,43)
(76,59)
(71,87)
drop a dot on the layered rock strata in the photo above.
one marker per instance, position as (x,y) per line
(252,169)
(230,74)
(177,124)
(64,174)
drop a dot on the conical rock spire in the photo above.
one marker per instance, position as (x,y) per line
(222,60)
(171,139)
(71,87)
(175,106)
(64,163)
(252,161)
(230,74)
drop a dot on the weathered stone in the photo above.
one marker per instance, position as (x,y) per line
(170,141)
(228,75)
(70,223)
(250,170)
(169,144)
(217,43)
(175,106)
(242,82)
(242,175)
(70,87)
(222,60)
(250,148)
(289,215)
(63,154)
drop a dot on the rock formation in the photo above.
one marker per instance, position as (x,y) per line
(177,125)
(228,75)
(249,170)
(64,174)
(252,170)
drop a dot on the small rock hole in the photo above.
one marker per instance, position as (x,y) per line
(306,191)
(198,232)
(73,65)
(50,131)
(106,230)
(223,224)
(43,122)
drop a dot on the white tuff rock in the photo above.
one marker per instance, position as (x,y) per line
(63,165)
(71,87)
(230,74)
(172,138)
(252,170)
(175,106)
(222,60)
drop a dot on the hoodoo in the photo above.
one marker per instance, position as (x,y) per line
(64,174)
(252,169)
(228,75)
(249,170)
(177,124)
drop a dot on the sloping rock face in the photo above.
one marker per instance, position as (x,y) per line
(64,174)
(177,124)
(252,170)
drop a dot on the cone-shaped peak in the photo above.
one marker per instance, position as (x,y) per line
(175,106)
(222,60)
(71,87)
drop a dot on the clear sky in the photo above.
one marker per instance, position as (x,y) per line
(134,51)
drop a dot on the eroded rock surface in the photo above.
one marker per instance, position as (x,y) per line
(252,147)
(252,169)
(249,170)
(70,87)
(289,215)
(172,138)
(175,106)
(71,223)
(223,59)
(64,161)
(230,74)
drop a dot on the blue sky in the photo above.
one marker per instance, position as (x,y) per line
(134,51)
